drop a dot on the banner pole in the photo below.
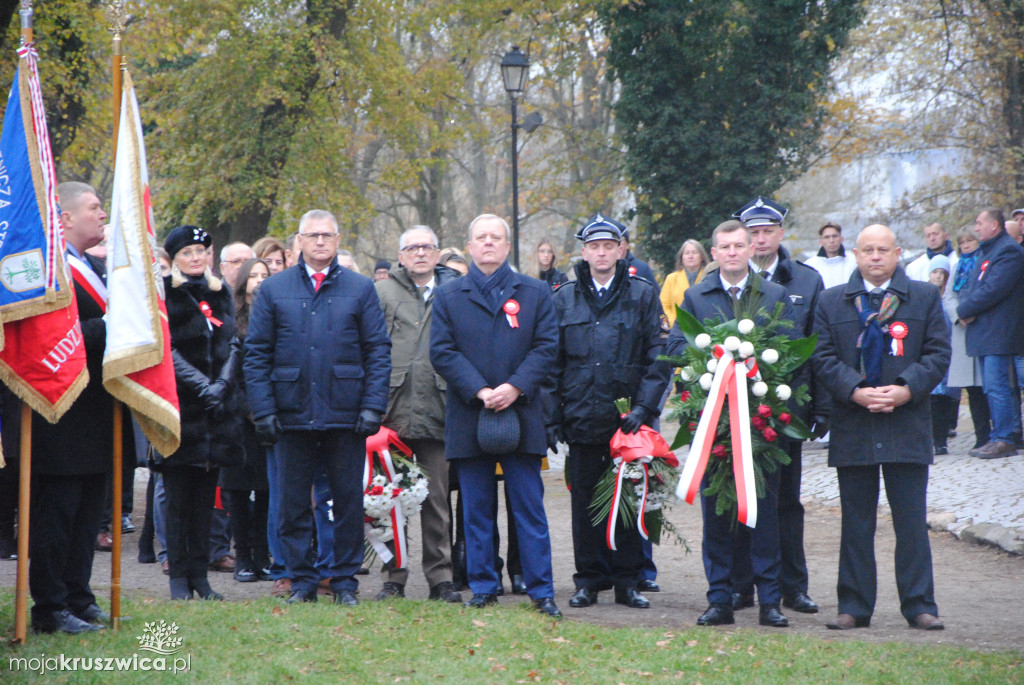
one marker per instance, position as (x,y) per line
(25,457)
(116,17)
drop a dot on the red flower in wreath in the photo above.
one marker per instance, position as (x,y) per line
(764,411)
(375,490)
(759,423)
(769,434)
(785,418)
(719,452)
(684,395)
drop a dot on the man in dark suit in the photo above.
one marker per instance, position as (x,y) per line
(317,370)
(494,339)
(716,297)
(992,310)
(763,219)
(883,346)
(71,459)
(609,340)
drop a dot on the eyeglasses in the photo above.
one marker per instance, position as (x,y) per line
(233,262)
(191,252)
(316,237)
(412,249)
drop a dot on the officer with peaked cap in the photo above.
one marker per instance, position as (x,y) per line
(610,337)
(763,219)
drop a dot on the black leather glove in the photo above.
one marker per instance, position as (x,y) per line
(268,430)
(554,436)
(213,396)
(368,423)
(188,375)
(820,427)
(637,417)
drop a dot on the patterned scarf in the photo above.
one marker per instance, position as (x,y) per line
(964,267)
(871,340)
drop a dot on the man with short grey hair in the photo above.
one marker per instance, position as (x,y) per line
(232,257)
(416,402)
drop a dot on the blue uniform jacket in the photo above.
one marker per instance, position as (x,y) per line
(316,358)
(473,346)
(995,296)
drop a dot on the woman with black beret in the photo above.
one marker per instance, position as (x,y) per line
(201,319)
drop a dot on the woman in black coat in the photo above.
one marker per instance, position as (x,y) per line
(201,318)
(245,489)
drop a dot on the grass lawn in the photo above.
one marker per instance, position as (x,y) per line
(264,641)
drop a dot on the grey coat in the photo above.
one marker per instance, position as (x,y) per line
(961,366)
(860,437)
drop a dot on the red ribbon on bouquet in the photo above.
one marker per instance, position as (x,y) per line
(644,446)
(732,382)
(378,448)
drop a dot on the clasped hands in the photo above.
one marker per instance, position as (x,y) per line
(499,398)
(883,399)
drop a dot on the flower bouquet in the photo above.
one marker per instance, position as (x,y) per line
(638,485)
(750,365)
(394,487)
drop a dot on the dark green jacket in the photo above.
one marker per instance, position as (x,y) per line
(417,394)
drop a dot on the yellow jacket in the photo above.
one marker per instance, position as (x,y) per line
(672,292)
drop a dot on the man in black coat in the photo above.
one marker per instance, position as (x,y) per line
(317,370)
(763,219)
(883,346)
(71,459)
(610,336)
(716,297)
(992,310)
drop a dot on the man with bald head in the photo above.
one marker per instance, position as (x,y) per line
(883,344)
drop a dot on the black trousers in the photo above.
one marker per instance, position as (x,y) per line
(597,567)
(906,488)
(191,491)
(248,519)
(793,572)
(65,519)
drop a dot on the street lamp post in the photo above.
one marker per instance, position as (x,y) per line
(515,68)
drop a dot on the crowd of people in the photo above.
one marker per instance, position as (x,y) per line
(290,359)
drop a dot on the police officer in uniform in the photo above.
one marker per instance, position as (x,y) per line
(763,219)
(610,336)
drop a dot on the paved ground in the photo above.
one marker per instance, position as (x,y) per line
(979,589)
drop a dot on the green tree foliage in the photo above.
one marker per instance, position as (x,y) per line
(719,101)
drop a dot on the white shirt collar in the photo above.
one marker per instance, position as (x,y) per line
(429,287)
(726,284)
(598,288)
(868,287)
(310,271)
(769,270)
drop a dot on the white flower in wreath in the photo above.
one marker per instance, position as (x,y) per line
(770,356)
(746,349)
(783,392)
(759,389)
(732,343)
(702,340)
(705,381)
(712,365)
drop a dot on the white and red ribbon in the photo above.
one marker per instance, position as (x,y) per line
(984,268)
(613,514)
(898,331)
(207,311)
(377,451)
(726,382)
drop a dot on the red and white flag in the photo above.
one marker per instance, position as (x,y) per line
(137,364)
(43,357)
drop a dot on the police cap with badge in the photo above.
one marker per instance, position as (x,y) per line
(601,227)
(761,212)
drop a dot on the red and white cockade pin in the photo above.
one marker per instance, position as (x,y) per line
(511,308)
(207,311)
(984,268)
(898,330)
(632,271)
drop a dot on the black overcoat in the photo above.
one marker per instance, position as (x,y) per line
(860,437)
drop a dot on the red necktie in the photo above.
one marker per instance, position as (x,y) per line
(318,280)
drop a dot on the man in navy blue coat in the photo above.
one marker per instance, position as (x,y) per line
(883,346)
(494,340)
(992,309)
(716,297)
(317,371)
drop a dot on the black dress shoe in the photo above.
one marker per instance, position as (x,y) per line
(445,592)
(847,622)
(631,598)
(546,605)
(66,622)
(245,575)
(716,615)
(299,596)
(8,548)
(391,591)
(518,585)
(648,586)
(927,622)
(481,601)
(772,617)
(800,602)
(583,597)
(263,573)
(346,598)
(93,614)
(742,601)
